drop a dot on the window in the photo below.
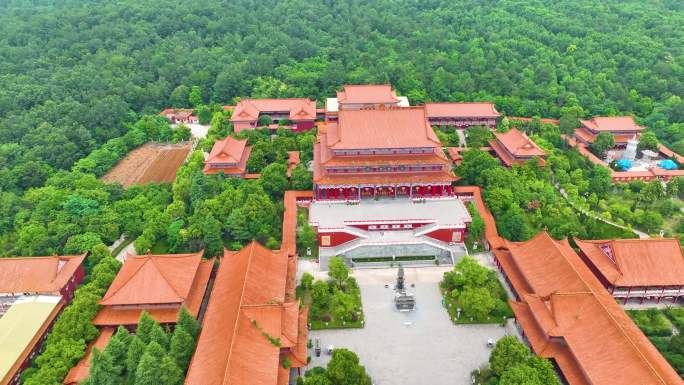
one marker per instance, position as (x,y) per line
(372,227)
(325,240)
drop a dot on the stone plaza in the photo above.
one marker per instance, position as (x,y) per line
(415,348)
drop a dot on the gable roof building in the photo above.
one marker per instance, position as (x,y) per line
(39,275)
(158,284)
(637,269)
(623,128)
(376,148)
(515,147)
(363,96)
(462,115)
(228,155)
(301,112)
(251,306)
(566,315)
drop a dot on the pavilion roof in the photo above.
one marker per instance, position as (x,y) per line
(461,110)
(248,304)
(637,262)
(153,279)
(297,108)
(612,123)
(37,274)
(533,258)
(227,150)
(518,143)
(390,128)
(367,93)
(568,315)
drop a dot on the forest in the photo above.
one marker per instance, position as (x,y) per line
(75,73)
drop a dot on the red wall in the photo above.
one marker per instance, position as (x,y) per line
(303,126)
(67,291)
(336,238)
(446,235)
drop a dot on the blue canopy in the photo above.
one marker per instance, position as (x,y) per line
(624,164)
(668,164)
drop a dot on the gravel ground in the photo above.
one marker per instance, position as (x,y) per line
(416,348)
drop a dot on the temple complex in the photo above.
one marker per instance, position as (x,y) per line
(380,153)
(462,115)
(564,313)
(228,155)
(363,96)
(637,270)
(623,128)
(298,114)
(515,147)
(254,331)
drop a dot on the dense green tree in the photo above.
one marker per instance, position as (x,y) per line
(604,141)
(301,178)
(274,180)
(136,350)
(344,369)
(188,323)
(182,347)
(145,326)
(507,353)
(195,96)
(648,141)
(473,164)
(102,369)
(338,270)
(170,372)
(476,302)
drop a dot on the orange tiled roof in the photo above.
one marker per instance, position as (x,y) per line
(297,108)
(670,154)
(37,274)
(392,128)
(113,315)
(612,123)
(637,262)
(518,143)
(568,315)
(153,279)
(248,304)
(461,110)
(589,137)
(292,161)
(228,150)
(367,93)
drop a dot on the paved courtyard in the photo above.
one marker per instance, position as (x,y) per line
(420,347)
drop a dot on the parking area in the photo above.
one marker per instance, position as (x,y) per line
(420,347)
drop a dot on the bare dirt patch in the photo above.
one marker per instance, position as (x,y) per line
(149,163)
